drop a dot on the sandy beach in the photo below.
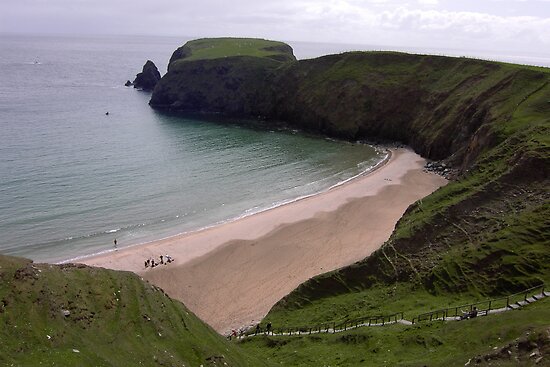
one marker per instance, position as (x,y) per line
(231,275)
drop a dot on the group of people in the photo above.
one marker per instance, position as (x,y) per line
(164,260)
(234,333)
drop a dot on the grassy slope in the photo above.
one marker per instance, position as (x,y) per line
(427,344)
(485,234)
(116,319)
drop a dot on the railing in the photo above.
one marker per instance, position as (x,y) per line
(330,327)
(482,306)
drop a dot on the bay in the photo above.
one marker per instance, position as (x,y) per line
(72,179)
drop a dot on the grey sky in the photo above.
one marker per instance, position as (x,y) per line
(519,25)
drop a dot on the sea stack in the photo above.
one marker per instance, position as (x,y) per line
(148,78)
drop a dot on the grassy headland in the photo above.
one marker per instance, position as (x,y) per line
(216,48)
(221,75)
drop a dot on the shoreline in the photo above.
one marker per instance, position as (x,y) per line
(371,170)
(218,272)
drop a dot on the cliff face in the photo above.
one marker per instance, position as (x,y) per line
(234,86)
(441,106)
(232,76)
(491,121)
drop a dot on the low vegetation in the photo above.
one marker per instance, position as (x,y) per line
(515,338)
(74,315)
(216,48)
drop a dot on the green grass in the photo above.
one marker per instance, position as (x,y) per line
(116,319)
(425,344)
(214,48)
(376,301)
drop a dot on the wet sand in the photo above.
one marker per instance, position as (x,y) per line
(231,275)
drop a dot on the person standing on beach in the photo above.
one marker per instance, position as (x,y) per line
(115,242)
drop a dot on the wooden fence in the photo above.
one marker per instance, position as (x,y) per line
(331,327)
(483,307)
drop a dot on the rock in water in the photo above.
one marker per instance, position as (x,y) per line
(148,78)
(128,83)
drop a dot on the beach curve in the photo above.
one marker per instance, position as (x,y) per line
(231,275)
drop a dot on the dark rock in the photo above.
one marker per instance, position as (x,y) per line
(128,83)
(148,78)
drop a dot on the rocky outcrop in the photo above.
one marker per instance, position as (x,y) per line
(148,78)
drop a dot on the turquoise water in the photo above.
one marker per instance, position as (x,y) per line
(73,179)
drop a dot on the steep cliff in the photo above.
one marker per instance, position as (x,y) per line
(225,75)
(436,104)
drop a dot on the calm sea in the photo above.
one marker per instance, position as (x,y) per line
(72,179)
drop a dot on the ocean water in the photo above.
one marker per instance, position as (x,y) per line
(72,179)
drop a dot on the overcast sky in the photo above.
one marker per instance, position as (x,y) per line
(509,25)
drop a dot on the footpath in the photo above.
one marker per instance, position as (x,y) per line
(489,307)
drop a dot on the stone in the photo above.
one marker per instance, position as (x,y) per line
(148,78)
